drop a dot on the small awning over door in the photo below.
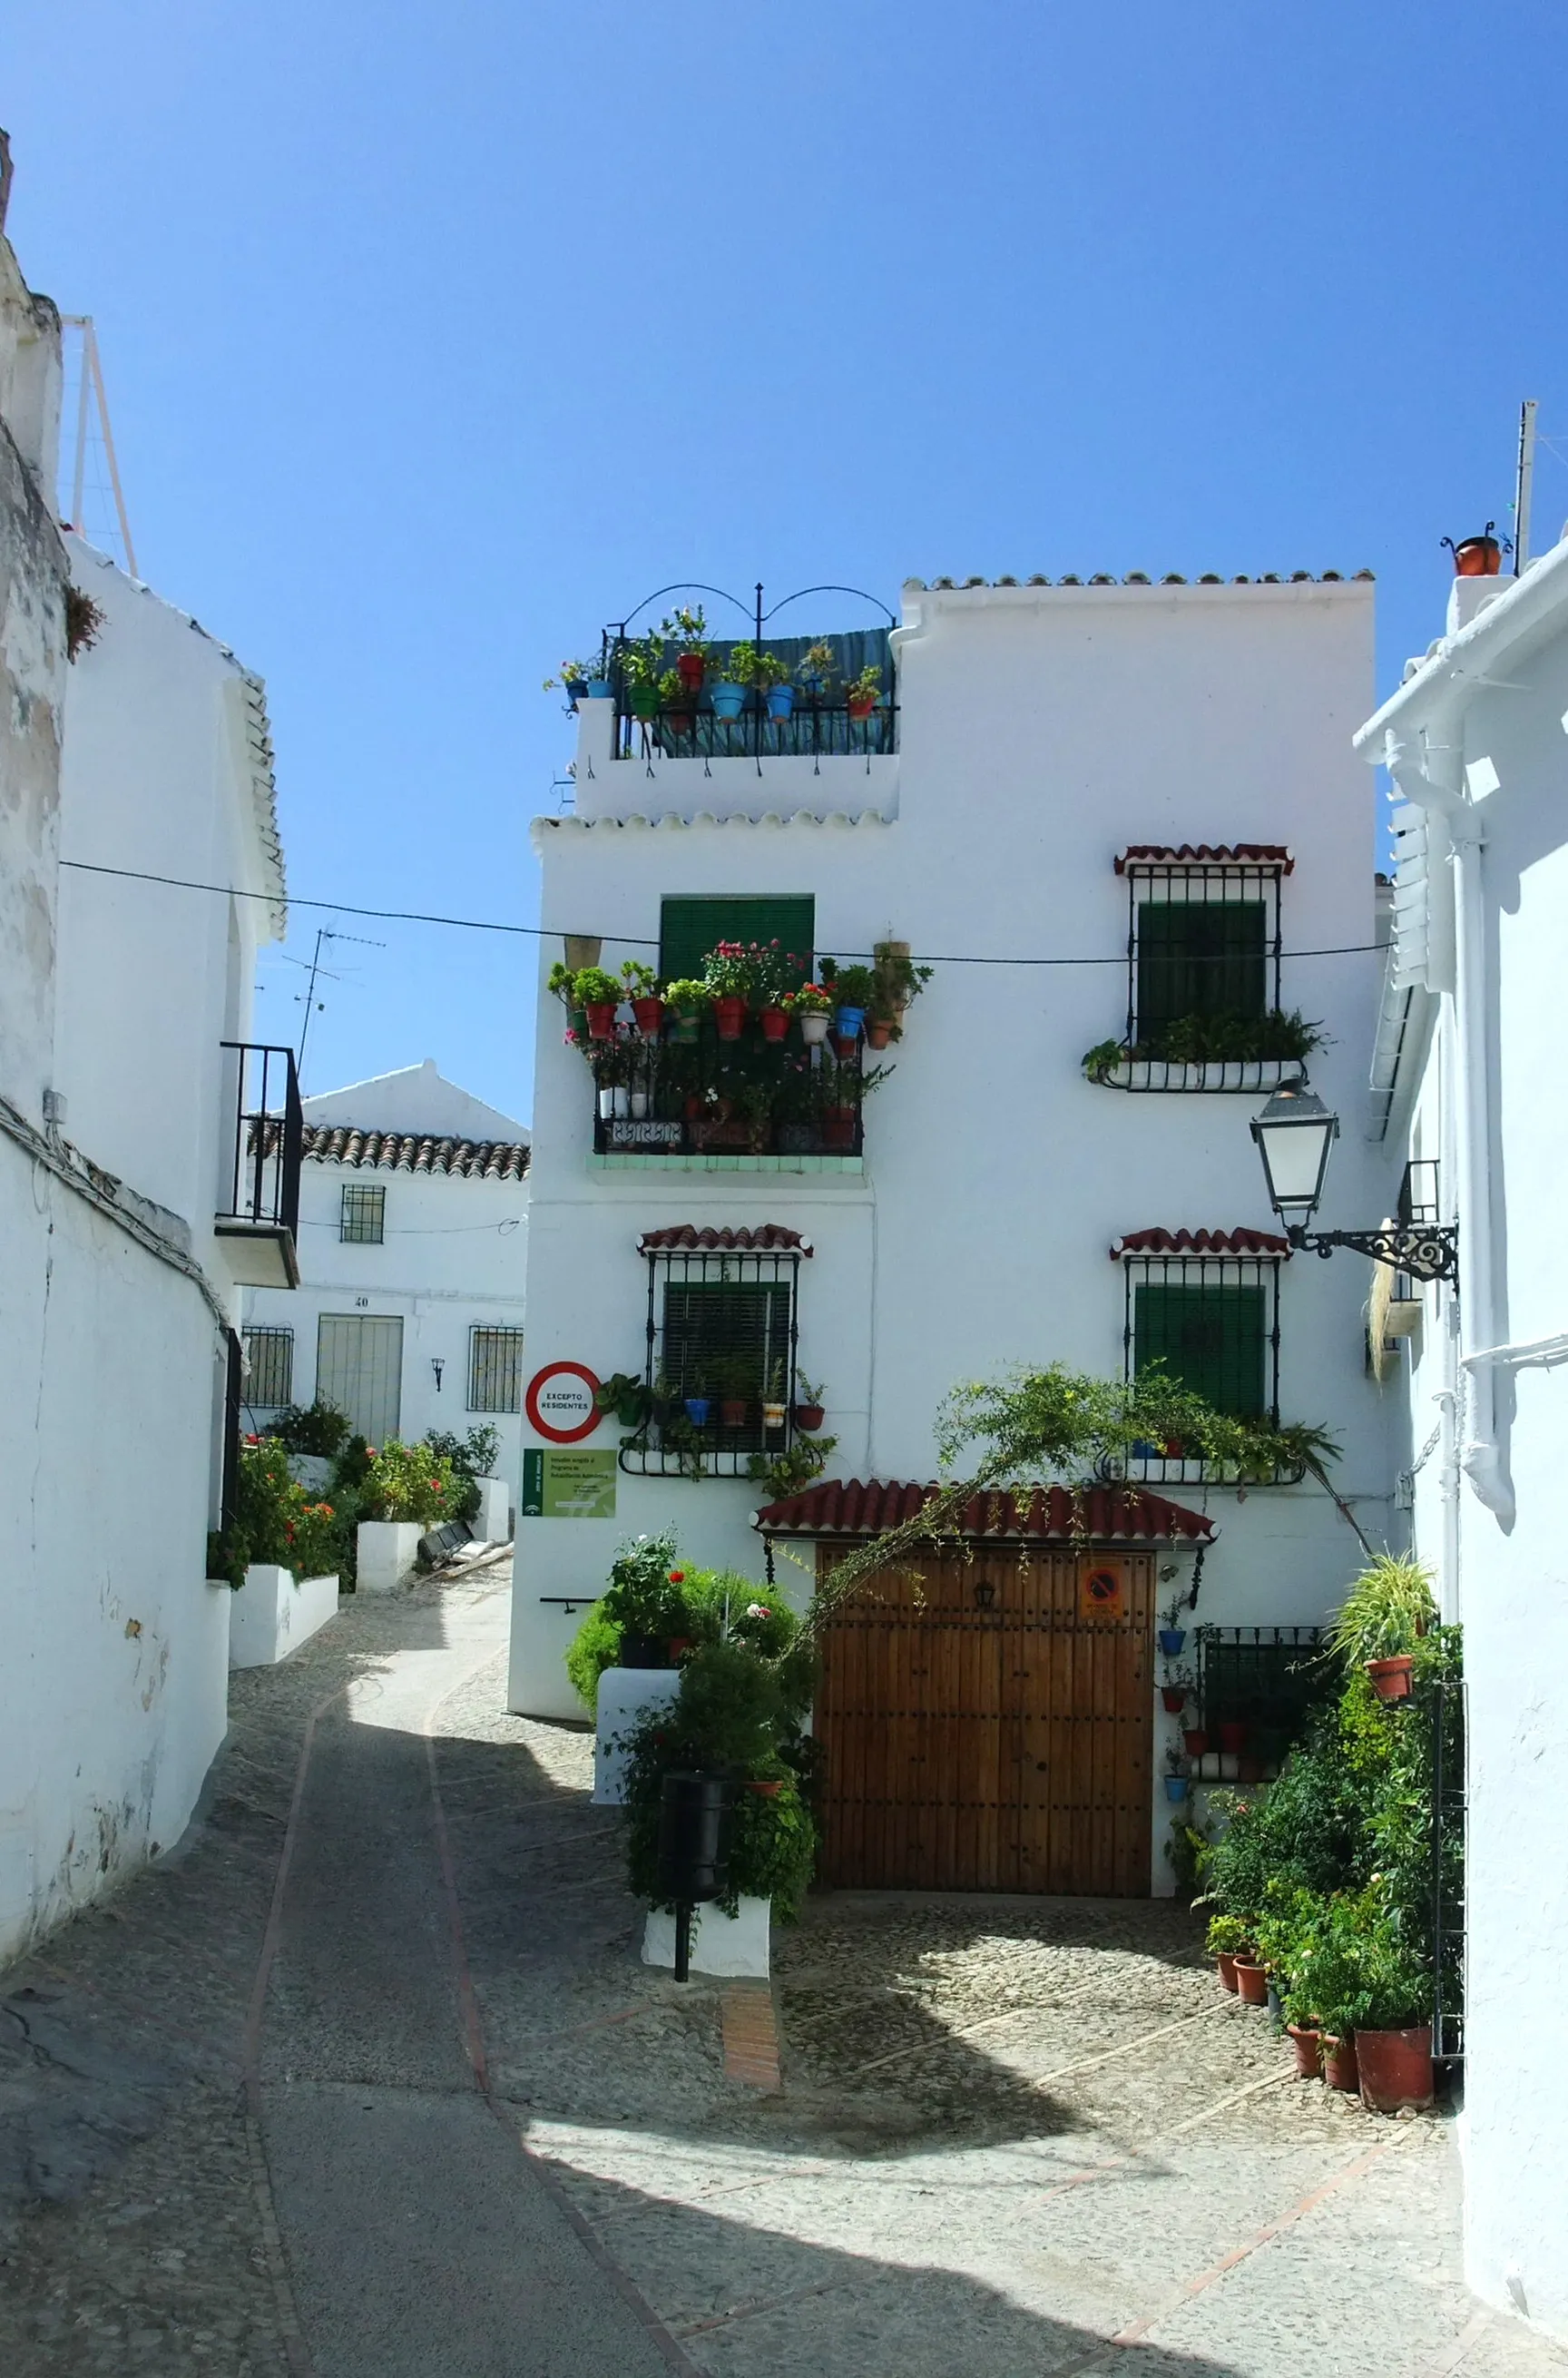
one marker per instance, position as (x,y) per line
(1101,1515)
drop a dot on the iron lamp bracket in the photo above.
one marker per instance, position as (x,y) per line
(1426,1250)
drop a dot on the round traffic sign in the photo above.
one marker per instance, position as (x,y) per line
(562,1403)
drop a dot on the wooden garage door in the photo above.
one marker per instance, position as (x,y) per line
(986,1724)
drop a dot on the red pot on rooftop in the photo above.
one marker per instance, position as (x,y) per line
(1478,557)
(688,668)
(861,705)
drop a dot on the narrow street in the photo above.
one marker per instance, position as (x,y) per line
(367,2078)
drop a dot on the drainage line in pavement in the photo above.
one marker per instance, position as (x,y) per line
(961,2030)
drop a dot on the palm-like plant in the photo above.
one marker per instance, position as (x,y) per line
(1386,1612)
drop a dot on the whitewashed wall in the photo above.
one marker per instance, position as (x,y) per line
(1042,731)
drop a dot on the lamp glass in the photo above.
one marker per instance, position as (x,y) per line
(1294,1134)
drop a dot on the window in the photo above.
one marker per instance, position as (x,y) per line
(689,928)
(494,1370)
(364,1216)
(1212,1323)
(270,1377)
(722,1327)
(1198,957)
(1204,961)
(728,1344)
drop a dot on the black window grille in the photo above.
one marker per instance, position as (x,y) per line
(1211,1324)
(269,1356)
(363,1221)
(1419,1195)
(722,1331)
(1203,977)
(1260,1685)
(494,1369)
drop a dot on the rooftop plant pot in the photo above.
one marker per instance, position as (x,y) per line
(1225,1961)
(1396,2068)
(598,691)
(813,1026)
(861,705)
(681,722)
(1478,557)
(688,668)
(1175,1698)
(1195,1742)
(809,1417)
(697,1411)
(649,1014)
(1232,1734)
(1177,1787)
(577,689)
(729,1017)
(732,1412)
(600,1014)
(1251,1983)
(729,700)
(1309,2046)
(781,704)
(1339,2062)
(645,702)
(1390,1680)
(1172,1640)
(776,1022)
(878,1031)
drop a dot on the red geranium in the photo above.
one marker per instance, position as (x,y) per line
(678,1577)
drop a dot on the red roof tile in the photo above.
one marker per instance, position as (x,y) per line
(404,1151)
(1206,854)
(1049,1515)
(1200,1243)
(767,1238)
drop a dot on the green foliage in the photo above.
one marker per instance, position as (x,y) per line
(856,986)
(709,1606)
(1102,1059)
(688,996)
(596,986)
(867,686)
(791,1469)
(640,980)
(314,1428)
(410,1483)
(1386,1612)
(1227,1935)
(898,979)
(596,1647)
(642,662)
(470,1459)
(815,665)
(562,984)
(574,675)
(685,630)
(644,1594)
(1301,1832)
(1353,1966)
(750,663)
(1183,1851)
(276,1520)
(1211,1040)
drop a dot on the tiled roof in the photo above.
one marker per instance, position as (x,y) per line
(407,1151)
(805,822)
(767,1238)
(1206,854)
(1049,1514)
(1140,578)
(1200,1243)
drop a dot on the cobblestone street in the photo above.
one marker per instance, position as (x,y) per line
(368,2077)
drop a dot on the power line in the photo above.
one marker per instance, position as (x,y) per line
(643,941)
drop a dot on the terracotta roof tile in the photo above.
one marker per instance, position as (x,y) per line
(1200,1243)
(1045,1515)
(401,1151)
(1140,578)
(1206,854)
(767,1238)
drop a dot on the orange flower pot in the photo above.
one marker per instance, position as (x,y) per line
(1396,2068)
(1251,1983)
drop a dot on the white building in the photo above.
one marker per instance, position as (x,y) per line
(413,1231)
(123,1226)
(1465,1085)
(1142,779)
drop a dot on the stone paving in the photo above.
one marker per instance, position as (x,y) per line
(1012,2136)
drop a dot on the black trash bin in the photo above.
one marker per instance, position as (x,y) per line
(694,1829)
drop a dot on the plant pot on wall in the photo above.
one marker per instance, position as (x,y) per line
(781,704)
(774,1022)
(1195,1742)
(1390,1680)
(1232,1734)
(878,1031)
(1171,1640)
(649,1014)
(600,1014)
(1396,2068)
(729,700)
(814,1028)
(809,1417)
(733,1410)
(1175,1698)
(729,1018)
(1177,1787)
(688,668)
(697,1411)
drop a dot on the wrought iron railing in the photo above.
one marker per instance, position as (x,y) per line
(1418,1203)
(265,1145)
(720,1379)
(1258,1686)
(679,730)
(677,1099)
(1444,1714)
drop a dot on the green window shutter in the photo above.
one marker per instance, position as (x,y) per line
(688,928)
(1200,957)
(728,1341)
(1209,1339)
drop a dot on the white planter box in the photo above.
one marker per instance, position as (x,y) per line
(625,1695)
(492,1521)
(720,1944)
(387,1553)
(272,1615)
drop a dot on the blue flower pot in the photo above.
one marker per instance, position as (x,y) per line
(1172,1640)
(598,689)
(729,701)
(781,701)
(849,1023)
(697,1411)
(811,685)
(1176,1787)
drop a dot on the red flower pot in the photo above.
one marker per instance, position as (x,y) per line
(688,668)
(838,1126)
(732,1412)
(729,1017)
(879,1032)
(1226,1963)
(679,1646)
(680,722)
(1195,1742)
(1339,2062)
(1173,1697)
(765,1789)
(1478,557)
(1232,1734)
(649,1014)
(809,1417)
(1390,1678)
(776,1022)
(861,705)
(844,1047)
(600,1015)
(1309,2046)
(1251,1983)
(1396,2068)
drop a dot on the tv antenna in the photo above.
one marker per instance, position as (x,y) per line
(92,429)
(323,933)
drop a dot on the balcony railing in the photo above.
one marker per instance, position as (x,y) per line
(680,730)
(750,1097)
(258,1208)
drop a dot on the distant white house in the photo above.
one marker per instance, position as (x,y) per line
(130,1210)
(1466,1087)
(413,1226)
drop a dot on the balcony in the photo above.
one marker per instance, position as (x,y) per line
(811,729)
(256,1221)
(707,1105)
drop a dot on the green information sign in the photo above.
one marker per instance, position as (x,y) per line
(569,1482)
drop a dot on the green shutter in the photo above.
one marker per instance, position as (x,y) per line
(688,928)
(1209,1338)
(1200,957)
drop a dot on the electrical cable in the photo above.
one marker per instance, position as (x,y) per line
(642,941)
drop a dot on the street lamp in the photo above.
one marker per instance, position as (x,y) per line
(1295,1134)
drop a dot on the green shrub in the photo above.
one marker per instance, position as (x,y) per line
(309,1428)
(596,1647)
(651,1593)
(410,1483)
(276,1520)
(470,1459)
(1386,1612)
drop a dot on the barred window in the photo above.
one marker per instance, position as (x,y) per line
(722,1327)
(364,1215)
(1198,957)
(494,1370)
(269,1355)
(1211,1324)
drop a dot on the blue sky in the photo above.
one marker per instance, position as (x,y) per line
(435,337)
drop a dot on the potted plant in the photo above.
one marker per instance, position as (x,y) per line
(599,995)
(1175,1692)
(1478,557)
(734,1376)
(641,986)
(562,985)
(1195,1742)
(810,1006)
(863,693)
(855,987)
(1380,1621)
(729,692)
(809,1412)
(697,1407)
(770,973)
(1251,1982)
(627,1396)
(815,669)
(643,673)
(729,973)
(751,665)
(1172,1634)
(1177,1783)
(1228,1937)
(612,1073)
(577,680)
(790,1469)
(775,1411)
(690,1000)
(899,980)
(688,631)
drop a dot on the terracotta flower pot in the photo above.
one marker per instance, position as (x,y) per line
(879,1032)
(1396,2068)
(1232,1734)
(1195,1742)
(838,1126)
(1390,1680)
(601,1013)
(809,1417)
(1339,2062)
(1478,557)
(775,1024)
(844,1047)
(1309,2046)
(729,1017)
(680,722)
(861,705)
(765,1788)
(1226,1963)
(1251,1983)
(732,1412)
(649,1014)
(1175,1698)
